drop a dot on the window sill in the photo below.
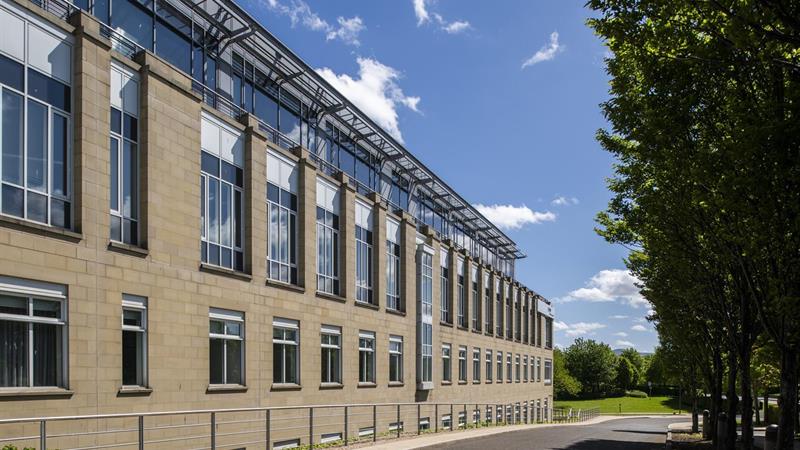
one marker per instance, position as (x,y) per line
(225,272)
(285,387)
(367,305)
(462,382)
(128,249)
(476,331)
(331,386)
(132,391)
(488,333)
(42,230)
(488,381)
(366,384)
(224,388)
(36,392)
(396,384)
(476,381)
(447,383)
(396,312)
(333,297)
(445,324)
(287,286)
(461,327)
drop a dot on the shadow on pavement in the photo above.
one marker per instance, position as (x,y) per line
(608,444)
(662,433)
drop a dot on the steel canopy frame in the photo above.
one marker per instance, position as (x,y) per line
(232,25)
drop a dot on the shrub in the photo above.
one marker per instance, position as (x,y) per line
(636,394)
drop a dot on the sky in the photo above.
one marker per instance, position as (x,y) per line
(501,99)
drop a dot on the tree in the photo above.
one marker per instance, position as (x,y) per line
(564,384)
(626,373)
(592,364)
(637,361)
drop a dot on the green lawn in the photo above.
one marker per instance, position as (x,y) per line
(628,405)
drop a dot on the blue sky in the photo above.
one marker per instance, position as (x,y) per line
(501,100)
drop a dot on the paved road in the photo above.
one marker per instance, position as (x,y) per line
(620,434)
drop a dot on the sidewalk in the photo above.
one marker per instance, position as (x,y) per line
(449,436)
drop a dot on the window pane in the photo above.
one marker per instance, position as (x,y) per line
(213,211)
(11,133)
(114,156)
(132,318)
(209,164)
(234,362)
(215,361)
(47,308)
(37,146)
(291,364)
(225,214)
(60,169)
(13,352)
(37,207)
(116,120)
(46,354)
(13,305)
(116,228)
(130,358)
(11,73)
(217,327)
(130,127)
(135,22)
(173,47)
(12,201)
(48,90)
(129,174)
(277,363)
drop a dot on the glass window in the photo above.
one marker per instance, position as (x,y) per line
(487,301)
(134,340)
(499,367)
(444,286)
(134,20)
(462,364)
(285,351)
(124,157)
(393,282)
(226,344)
(517,373)
(281,219)
(366,357)
(327,238)
(476,365)
(525,368)
(548,371)
(32,335)
(476,300)
(538,369)
(499,303)
(364,258)
(461,295)
(488,365)
(425,316)
(509,315)
(446,364)
(396,359)
(509,373)
(172,37)
(331,354)
(223,206)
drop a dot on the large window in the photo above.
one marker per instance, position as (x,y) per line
(476,365)
(282,218)
(517,367)
(393,282)
(446,363)
(548,371)
(285,351)
(517,314)
(462,364)
(499,307)
(226,346)
(124,155)
(509,314)
(33,333)
(396,359)
(35,122)
(487,301)
(222,195)
(548,332)
(327,238)
(134,340)
(425,317)
(366,357)
(331,364)
(509,373)
(444,286)
(526,300)
(461,295)
(363,236)
(525,368)
(489,363)
(476,300)
(538,369)
(499,367)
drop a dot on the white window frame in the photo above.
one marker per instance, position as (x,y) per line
(509,367)
(282,237)
(334,374)
(447,365)
(286,325)
(517,368)
(499,360)
(366,354)
(444,286)
(328,238)
(425,256)
(476,365)
(548,371)
(226,317)
(396,351)
(461,294)
(393,266)
(130,80)
(138,304)
(462,364)
(364,238)
(489,365)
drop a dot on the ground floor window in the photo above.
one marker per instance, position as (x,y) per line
(226,347)
(285,351)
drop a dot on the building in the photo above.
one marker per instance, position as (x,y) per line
(191,218)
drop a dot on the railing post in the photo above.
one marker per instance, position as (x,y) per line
(43,434)
(141,433)
(452,419)
(375,423)
(213,431)
(418,418)
(436,413)
(346,426)
(476,416)
(465,416)
(311,427)
(268,427)
(398,420)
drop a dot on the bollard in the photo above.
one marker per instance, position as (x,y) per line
(706,425)
(722,429)
(771,438)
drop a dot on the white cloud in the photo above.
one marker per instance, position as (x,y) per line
(546,53)
(561,200)
(512,217)
(618,316)
(609,286)
(621,334)
(639,328)
(298,11)
(375,92)
(621,343)
(579,328)
(423,16)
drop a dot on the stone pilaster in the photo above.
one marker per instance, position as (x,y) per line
(347,232)
(378,250)
(307,223)
(255,184)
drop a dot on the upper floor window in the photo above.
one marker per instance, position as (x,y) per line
(222,194)
(517,371)
(393,282)
(35,122)
(281,218)
(476,365)
(366,357)
(489,365)
(517,314)
(476,301)
(226,335)
(525,368)
(525,318)
(134,340)
(124,155)
(446,363)
(285,351)
(548,332)
(499,308)
(425,316)
(461,294)
(548,371)
(327,237)
(363,226)
(444,286)
(462,364)
(509,368)
(487,301)
(538,368)
(396,359)
(331,341)
(509,314)
(33,333)
(500,366)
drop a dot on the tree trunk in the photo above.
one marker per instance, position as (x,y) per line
(757,409)
(788,401)
(733,402)
(747,401)
(716,397)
